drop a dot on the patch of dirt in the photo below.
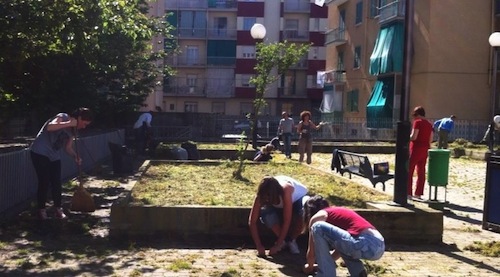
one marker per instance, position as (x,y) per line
(80,245)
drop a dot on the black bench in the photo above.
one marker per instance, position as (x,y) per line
(357,164)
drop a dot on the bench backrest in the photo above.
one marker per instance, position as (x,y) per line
(357,160)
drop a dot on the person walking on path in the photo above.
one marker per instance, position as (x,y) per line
(279,205)
(141,131)
(304,129)
(285,129)
(58,132)
(420,141)
(444,126)
(342,230)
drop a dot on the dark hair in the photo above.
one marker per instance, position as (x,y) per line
(419,110)
(269,191)
(304,114)
(453,116)
(83,113)
(312,206)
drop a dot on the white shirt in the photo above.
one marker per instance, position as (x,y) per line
(143,118)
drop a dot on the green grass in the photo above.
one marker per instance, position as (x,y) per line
(213,185)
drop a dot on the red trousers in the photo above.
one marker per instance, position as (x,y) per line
(418,159)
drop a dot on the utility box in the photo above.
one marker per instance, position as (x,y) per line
(491,209)
(437,171)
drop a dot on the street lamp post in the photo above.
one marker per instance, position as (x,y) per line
(404,125)
(494,41)
(258,32)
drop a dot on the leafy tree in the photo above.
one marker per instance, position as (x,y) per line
(58,55)
(273,60)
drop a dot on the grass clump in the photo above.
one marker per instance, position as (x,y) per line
(489,249)
(169,184)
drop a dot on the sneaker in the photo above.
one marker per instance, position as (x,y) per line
(293,247)
(419,197)
(42,214)
(60,214)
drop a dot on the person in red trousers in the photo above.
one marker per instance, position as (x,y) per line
(420,141)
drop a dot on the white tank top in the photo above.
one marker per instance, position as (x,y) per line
(299,190)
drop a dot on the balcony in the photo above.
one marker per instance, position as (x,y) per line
(335,2)
(392,12)
(191,32)
(335,37)
(301,64)
(222,4)
(185,60)
(200,87)
(218,33)
(335,77)
(185,4)
(221,61)
(296,6)
(296,35)
(292,92)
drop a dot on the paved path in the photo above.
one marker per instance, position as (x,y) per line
(80,246)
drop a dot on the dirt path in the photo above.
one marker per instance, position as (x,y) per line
(80,246)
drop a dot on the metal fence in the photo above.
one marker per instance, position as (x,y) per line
(18,182)
(212,127)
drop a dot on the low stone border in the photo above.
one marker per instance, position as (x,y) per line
(417,224)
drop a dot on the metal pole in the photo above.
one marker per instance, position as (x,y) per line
(404,126)
(491,143)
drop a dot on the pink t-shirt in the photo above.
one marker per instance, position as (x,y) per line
(347,219)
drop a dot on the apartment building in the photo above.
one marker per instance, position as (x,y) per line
(217,55)
(450,63)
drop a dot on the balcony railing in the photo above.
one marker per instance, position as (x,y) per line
(218,61)
(218,33)
(205,87)
(392,11)
(191,32)
(222,4)
(183,4)
(297,6)
(185,60)
(335,77)
(335,36)
(296,34)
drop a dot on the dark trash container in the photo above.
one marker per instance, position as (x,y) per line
(491,210)
(192,150)
(122,162)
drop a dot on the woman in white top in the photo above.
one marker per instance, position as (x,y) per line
(279,205)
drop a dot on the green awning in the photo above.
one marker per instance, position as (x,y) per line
(380,106)
(387,54)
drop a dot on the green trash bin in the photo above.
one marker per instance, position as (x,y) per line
(437,171)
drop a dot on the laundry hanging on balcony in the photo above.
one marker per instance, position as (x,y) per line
(387,55)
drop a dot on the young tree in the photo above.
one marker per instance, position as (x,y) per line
(273,60)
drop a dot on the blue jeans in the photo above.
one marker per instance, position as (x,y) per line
(369,246)
(287,142)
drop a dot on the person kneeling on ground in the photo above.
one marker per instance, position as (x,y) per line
(342,230)
(279,205)
(264,154)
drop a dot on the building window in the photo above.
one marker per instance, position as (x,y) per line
(316,24)
(248,52)
(291,28)
(359,12)
(246,108)
(375,8)
(248,23)
(191,107)
(245,80)
(218,107)
(352,101)
(357,57)
(340,61)
(220,26)
(191,80)
(192,54)
(172,107)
